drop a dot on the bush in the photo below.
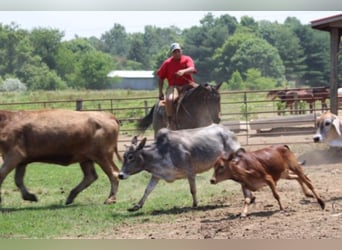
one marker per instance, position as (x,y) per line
(12,84)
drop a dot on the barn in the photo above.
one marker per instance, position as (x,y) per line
(134,79)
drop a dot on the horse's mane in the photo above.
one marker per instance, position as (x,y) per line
(200,98)
(201,92)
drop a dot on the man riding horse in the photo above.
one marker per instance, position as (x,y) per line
(178,70)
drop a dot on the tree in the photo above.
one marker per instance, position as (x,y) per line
(45,43)
(68,59)
(93,69)
(257,53)
(236,82)
(116,41)
(255,80)
(243,51)
(138,51)
(201,43)
(14,48)
(316,48)
(288,46)
(40,77)
(156,40)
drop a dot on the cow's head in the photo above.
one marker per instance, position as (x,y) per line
(133,159)
(223,166)
(328,129)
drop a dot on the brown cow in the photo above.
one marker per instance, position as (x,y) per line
(59,137)
(256,169)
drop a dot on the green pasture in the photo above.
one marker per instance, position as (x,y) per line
(88,216)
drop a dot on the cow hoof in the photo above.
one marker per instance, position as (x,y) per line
(321,203)
(30,197)
(110,201)
(69,201)
(243,216)
(134,208)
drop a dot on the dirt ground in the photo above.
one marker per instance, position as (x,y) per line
(302,219)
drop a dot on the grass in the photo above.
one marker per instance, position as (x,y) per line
(88,216)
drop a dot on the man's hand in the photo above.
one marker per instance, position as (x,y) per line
(180,73)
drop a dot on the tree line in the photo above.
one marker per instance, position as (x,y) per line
(245,54)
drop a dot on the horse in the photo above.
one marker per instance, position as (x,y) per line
(199,107)
(291,97)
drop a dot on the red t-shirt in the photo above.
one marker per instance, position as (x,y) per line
(170,67)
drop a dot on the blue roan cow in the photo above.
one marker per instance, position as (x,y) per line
(177,155)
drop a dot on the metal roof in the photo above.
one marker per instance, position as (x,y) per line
(132,73)
(327,23)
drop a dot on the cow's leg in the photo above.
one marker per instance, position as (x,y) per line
(112,171)
(192,183)
(10,163)
(19,182)
(151,185)
(270,182)
(303,178)
(89,176)
(293,176)
(249,199)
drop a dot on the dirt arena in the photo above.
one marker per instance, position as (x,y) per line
(302,219)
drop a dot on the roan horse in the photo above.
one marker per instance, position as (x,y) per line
(199,107)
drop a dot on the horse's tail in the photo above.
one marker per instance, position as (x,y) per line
(218,85)
(146,121)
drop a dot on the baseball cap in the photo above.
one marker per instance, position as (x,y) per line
(174,46)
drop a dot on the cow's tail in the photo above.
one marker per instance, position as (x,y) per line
(146,121)
(118,155)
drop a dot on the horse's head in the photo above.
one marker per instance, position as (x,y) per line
(214,104)
(273,94)
(201,106)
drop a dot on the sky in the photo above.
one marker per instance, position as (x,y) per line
(96,23)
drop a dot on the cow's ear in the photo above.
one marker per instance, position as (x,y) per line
(134,140)
(142,143)
(336,123)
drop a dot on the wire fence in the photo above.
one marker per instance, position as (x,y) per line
(250,114)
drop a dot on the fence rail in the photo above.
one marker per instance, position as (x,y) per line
(249,113)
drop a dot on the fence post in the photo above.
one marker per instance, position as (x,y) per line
(79,104)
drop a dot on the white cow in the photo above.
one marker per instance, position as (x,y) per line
(328,129)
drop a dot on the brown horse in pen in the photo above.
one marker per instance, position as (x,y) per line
(321,94)
(199,107)
(291,98)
